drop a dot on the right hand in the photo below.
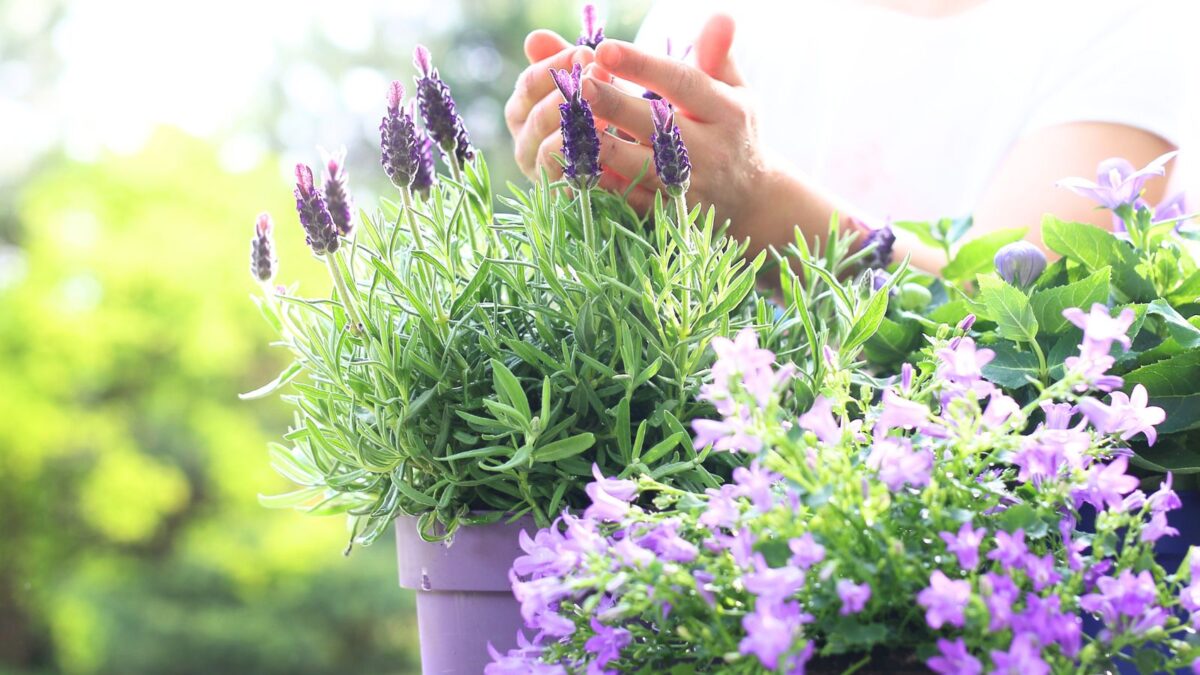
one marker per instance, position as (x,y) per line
(532,111)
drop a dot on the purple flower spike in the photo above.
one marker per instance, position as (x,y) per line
(314,214)
(1020,263)
(398,139)
(1117,182)
(423,180)
(881,239)
(593,30)
(670,155)
(262,254)
(442,120)
(581,145)
(337,198)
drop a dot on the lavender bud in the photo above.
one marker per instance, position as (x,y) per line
(880,239)
(398,140)
(593,30)
(966,323)
(1020,263)
(262,253)
(314,214)
(336,196)
(581,145)
(442,121)
(423,180)
(670,155)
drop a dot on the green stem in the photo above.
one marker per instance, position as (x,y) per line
(1043,370)
(407,200)
(585,213)
(335,265)
(681,211)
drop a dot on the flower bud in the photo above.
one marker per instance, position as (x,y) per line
(581,146)
(314,214)
(593,30)
(913,297)
(670,155)
(1020,263)
(262,253)
(337,198)
(880,240)
(442,121)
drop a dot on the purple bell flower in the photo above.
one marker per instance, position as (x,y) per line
(1118,183)
(581,145)
(1020,263)
(322,235)
(262,254)
(337,198)
(670,155)
(593,30)
(398,139)
(442,120)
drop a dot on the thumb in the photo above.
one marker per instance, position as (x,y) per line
(712,50)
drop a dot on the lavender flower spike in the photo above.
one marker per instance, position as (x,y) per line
(593,30)
(398,140)
(262,254)
(423,180)
(442,120)
(336,196)
(581,146)
(314,214)
(670,155)
(882,238)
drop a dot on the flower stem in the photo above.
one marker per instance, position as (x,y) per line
(681,212)
(335,264)
(1043,370)
(585,213)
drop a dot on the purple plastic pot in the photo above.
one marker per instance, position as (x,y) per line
(464,598)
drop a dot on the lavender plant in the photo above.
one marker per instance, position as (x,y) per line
(474,365)
(931,529)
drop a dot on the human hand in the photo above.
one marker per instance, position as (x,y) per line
(531,113)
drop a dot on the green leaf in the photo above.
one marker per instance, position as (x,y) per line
(1182,457)
(1009,308)
(976,256)
(1094,248)
(950,313)
(283,378)
(564,448)
(509,387)
(1048,304)
(921,229)
(1010,368)
(1183,332)
(1172,385)
(892,342)
(868,322)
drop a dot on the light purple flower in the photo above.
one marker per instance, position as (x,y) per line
(593,30)
(771,630)
(1164,498)
(899,465)
(545,554)
(899,412)
(1158,528)
(741,360)
(1125,595)
(610,497)
(722,509)
(1010,549)
(1100,328)
(954,659)
(944,600)
(1041,570)
(631,554)
(1126,415)
(734,433)
(854,596)
(666,542)
(607,642)
(1020,263)
(963,363)
(523,660)
(756,483)
(999,594)
(1022,658)
(773,583)
(964,545)
(1117,182)
(819,420)
(806,552)
(1107,484)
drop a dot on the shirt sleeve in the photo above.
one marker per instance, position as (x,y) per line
(1124,63)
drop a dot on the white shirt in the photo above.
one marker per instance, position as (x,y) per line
(909,117)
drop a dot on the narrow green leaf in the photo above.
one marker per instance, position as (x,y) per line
(1183,332)
(564,447)
(282,379)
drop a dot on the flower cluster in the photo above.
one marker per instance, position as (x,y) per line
(934,524)
(442,121)
(402,148)
(581,146)
(315,218)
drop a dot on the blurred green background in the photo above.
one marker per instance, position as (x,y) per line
(138,140)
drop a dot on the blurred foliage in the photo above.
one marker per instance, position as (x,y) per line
(133,542)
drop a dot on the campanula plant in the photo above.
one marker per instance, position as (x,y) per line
(931,528)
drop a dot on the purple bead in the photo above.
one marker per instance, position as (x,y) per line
(318,225)
(442,121)
(593,30)
(262,254)
(398,140)
(670,155)
(337,198)
(581,145)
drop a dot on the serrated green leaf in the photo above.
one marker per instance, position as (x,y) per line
(1048,304)
(1183,332)
(1094,248)
(976,256)
(1010,368)
(1009,308)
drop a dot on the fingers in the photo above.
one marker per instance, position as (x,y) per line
(546,157)
(534,83)
(686,87)
(542,44)
(542,123)
(621,109)
(641,199)
(712,50)
(629,160)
